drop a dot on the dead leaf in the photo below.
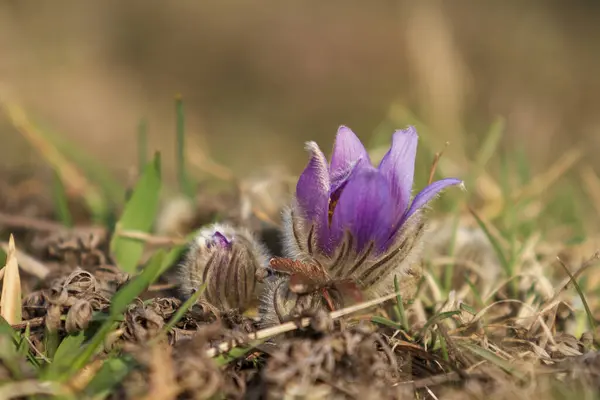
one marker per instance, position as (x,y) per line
(10,302)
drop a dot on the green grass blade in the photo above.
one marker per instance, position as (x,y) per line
(449,269)
(237,352)
(23,346)
(142,144)
(112,372)
(400,305)
(487,149)
(386,322)
(51,342)
(8,349)
(138,215)
(61,202)
(121,300)
(493,358)
(88,350)
(182,175)
(64,356)
(476,293)
(96,171)
(183,309)
(435,319)
(590,315)
(495,244)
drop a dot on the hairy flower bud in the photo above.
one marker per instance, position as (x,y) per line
(230,261)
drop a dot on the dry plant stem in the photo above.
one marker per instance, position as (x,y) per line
(436,160)
(434,380)
(290,326)
(33,323)
(151,239)
(36,224)
(17,390)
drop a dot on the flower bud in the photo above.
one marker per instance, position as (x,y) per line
(229,261)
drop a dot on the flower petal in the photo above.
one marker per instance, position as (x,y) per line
(347,149)
(365,208)
(312,189)
(398,166)
(429,193)
(340,177)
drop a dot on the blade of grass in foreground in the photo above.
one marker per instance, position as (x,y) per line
(138,215)
(8,351)
(112,372)
(183,309)
(64,355)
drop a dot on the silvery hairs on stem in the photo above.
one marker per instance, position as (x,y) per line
(230,260)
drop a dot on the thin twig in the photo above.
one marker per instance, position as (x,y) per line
(436,160)
(290,326)
(33,323)
(151,239)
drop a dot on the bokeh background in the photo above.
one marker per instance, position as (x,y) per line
(259,78)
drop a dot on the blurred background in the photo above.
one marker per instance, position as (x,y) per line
(260,78)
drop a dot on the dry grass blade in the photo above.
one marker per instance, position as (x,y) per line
(591,184)
(150,239)
(590,316)
(21,389)
(436,160)
(304,322)
(10,303)
(76,182)
(541,182)
(201,160)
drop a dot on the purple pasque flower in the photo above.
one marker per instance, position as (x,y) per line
(356,219)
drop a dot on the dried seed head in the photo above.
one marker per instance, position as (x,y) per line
(79,316)
(229,260)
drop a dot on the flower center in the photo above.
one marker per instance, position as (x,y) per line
(332,204)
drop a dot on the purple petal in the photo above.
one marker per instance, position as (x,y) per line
(398,166)
(429,193)
(347,149)
(340,177)
(365,208)
(220,240)
(312,190)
